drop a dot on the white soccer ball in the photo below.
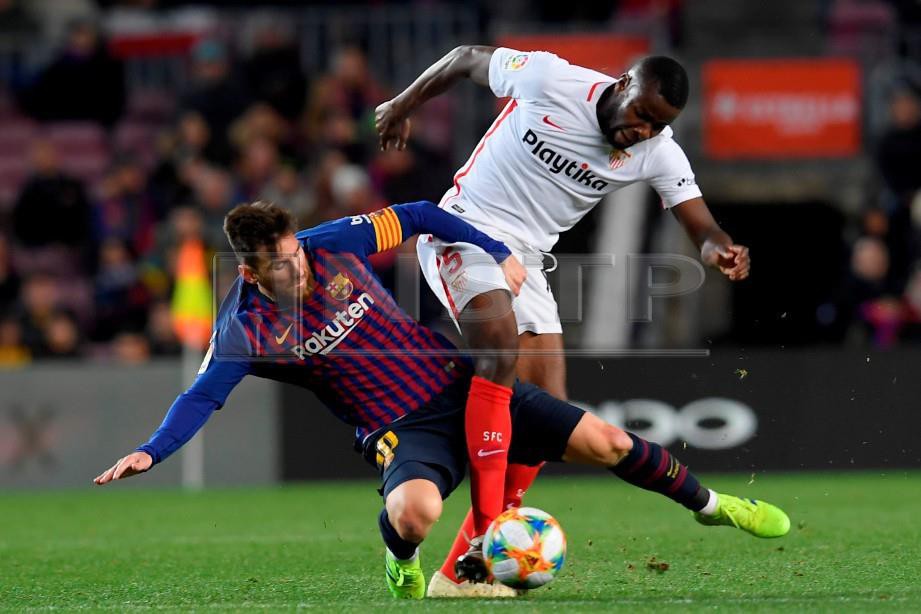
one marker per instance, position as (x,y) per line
(524,547)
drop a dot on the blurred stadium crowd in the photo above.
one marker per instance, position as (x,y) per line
(99,184)
(881,287)
(100,180)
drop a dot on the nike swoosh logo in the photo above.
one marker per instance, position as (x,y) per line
(482,452)
(280,340)
(549,122)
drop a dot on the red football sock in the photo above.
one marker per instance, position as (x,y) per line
(518,478)
(488,424)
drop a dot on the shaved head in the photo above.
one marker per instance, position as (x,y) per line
(669,76)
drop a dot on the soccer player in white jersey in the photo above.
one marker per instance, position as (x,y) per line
(567,137)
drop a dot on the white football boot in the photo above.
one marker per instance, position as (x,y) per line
(442,586)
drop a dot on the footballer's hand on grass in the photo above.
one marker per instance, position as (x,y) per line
(515,274)
(133,464)
(392,126)
(732,260)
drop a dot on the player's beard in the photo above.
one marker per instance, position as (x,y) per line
(619,139)
(606,113)
(290,294)
(610,118)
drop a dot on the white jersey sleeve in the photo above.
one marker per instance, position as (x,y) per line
(671,175)
(522,74)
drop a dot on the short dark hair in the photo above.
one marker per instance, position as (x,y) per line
(670,75)
(254,226)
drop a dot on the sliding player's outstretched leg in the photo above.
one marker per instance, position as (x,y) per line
(650,466)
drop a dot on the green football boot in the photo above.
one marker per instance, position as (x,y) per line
(756,517)
(404,578)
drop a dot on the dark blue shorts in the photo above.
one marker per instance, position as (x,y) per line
(430,443)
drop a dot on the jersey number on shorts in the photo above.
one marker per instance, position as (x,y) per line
(386,446)
(451,260)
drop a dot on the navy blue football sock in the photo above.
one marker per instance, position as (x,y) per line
(651,467)
(400,548)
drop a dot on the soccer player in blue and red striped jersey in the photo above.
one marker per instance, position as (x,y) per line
(308,310)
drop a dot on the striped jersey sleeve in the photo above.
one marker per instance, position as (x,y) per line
(387,228)
(388,232)
(362,235)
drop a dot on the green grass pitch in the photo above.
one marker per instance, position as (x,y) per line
(855,545)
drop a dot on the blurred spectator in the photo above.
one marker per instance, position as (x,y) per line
(9,280)
(351,84)
(84,75)
(261,121)
(354,195)
(273,68)
(163,340)
(13,352)
(186,225)
(185,222)
(885,316)
(895,231)
(867,297)
(188,146)
(897,156)
(288,190)
(342,104)
(870,266)
(352,192)
(327,164)
(61,338)
(257,167)
(216,195)
(899,149)
(52,207)
(193,137)
(340,132)
(121,299)
(126,211)
(40,301)
(912,300)
(130,349)
(216,94)
(402,178)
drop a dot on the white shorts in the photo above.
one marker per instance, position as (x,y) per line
(457,272)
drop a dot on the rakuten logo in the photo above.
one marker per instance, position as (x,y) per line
(712,424)
(328,337)
(558,164)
